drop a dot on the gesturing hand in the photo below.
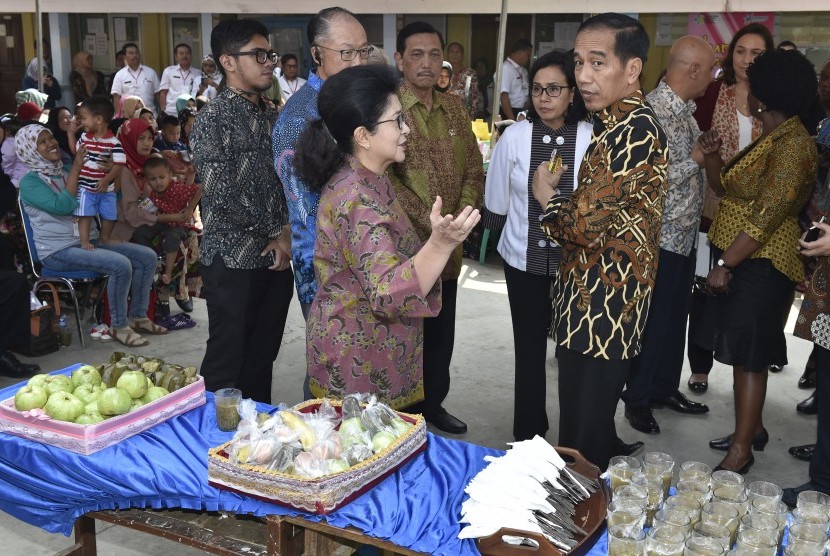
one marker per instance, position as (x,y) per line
(545,183)
(449,231)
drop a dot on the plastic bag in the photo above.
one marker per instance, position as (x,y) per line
(308,465)
(283,460)
(264,449)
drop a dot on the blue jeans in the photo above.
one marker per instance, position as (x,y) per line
(130,268)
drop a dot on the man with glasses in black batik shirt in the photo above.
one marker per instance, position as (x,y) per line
(246,244)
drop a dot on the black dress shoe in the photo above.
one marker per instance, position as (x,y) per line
(775,368)
(443,421)
(641,419)
(807,379)
(742,471)
(11,366)
(698,387)
(790,495)
(758,443)
(804,453)
(680,403)
(185,305)
(623,449)
(808,406)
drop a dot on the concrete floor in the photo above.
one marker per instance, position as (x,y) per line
(481,394)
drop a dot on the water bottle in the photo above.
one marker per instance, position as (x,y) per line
(64,332)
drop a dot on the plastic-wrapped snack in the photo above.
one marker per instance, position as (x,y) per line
(264,449)
(309,465)
(356,453)
(351,407)
(329,447)
(297,421)
(240,451)
(283,460)
(336,465)
(322,422)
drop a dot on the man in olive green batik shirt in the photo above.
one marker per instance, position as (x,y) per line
(442,158)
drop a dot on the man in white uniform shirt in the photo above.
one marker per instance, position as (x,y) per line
(289,82)
(135,79)
(514,79)
(179,79)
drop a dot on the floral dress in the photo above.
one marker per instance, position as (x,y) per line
(365,327)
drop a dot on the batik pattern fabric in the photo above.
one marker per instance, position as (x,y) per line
(243,206)
(299,111)
(602,294)
(365,326)
(684,196)
(442,158)
(767,184)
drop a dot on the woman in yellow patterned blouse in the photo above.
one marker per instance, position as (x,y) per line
(755,234)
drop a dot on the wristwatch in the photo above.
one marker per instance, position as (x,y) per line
(724,266)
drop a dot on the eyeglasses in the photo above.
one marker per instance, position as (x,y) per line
(350,54)
(399,118)
(261,55)
(550,90)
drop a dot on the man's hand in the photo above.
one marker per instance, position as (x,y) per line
(545,183)
(281,259)
(697,154)
(709,142)
(718,279)
(819,247)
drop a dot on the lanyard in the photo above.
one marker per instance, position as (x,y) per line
(135,76)
(54,184)
(184,76)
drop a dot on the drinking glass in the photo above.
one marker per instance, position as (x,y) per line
(227,416)
(660,464)
(721,514)
(808,532)
(633,493)
(620,470)
(703,546)
(729,479)
(762,522)
(757,541)
(694,471)
(686,503)
(737,499)
(665,541)
(698,489)
(713,531)
(673,518)
(811,514)
(813,499)
(763,489)
(626,512)
(777,510)
(654,488)
(625,540)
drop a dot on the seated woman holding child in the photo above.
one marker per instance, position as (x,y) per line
(143,221)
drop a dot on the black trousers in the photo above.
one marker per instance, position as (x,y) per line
(530,311)
(14,306)
(655,373)
(439,340)
(171,237)
(820,462)
(246,314)
(589,389)
(701,357)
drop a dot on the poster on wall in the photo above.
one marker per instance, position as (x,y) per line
(717,28)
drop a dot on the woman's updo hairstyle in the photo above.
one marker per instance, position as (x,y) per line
(785,81)
(355,97)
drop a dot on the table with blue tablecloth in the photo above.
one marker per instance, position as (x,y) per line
(166,467)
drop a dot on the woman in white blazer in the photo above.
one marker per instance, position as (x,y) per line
(556,120)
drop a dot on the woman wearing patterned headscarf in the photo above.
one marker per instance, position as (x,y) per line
(48,193)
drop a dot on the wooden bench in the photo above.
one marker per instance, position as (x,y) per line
(230,534)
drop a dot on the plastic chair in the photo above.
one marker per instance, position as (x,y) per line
(67,279)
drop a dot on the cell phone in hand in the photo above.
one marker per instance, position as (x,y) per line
(814,232)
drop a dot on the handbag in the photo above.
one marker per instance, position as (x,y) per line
(43,336)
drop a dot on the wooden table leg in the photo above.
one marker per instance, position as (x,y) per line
(85,544)
(284,539)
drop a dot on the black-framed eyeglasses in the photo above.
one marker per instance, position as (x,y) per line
(350,54)
(399,119)
(550,90)
(261,55)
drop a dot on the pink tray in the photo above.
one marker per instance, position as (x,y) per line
(87,439)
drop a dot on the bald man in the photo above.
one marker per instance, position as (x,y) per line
(655,376)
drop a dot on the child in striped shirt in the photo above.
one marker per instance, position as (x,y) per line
(96,186)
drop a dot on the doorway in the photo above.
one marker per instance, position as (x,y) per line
(12,60)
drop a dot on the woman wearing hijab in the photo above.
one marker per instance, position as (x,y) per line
(185,101)
(129,107)
(211,78)
(49,193)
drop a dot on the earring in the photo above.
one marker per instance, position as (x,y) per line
(760,109)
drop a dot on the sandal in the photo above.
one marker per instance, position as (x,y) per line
(128,337)
(148,326)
